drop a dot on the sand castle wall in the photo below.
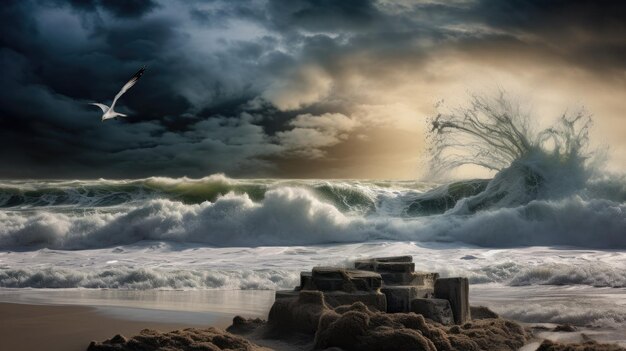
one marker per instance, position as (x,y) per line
(391,285)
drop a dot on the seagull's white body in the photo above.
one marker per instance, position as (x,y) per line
(108,112)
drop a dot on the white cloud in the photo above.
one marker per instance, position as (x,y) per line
(303,87)
(313,133)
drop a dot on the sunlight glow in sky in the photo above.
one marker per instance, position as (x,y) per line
(307,89)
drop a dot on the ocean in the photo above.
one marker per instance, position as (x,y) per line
(548,260)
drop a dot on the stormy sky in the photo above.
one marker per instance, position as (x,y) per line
(299,88)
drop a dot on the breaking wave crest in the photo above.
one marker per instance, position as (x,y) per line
(347,196)
(561,313)
(597,275)
(496,134)
(142,267)
(147,278)
(297,216)
(102,193)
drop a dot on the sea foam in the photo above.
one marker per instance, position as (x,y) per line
(166,265)
(296,216)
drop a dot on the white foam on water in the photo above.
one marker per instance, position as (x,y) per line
(296,216)
(166,265)
(583,287)
(578,305)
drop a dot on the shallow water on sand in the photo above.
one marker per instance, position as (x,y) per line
(599,313)
(200,307)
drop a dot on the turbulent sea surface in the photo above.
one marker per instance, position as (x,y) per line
(113,228)
(544,240)
(222,233)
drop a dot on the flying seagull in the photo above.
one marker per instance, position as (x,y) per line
(108,112)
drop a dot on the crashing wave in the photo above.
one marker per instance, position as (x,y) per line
(496,134)
(445,197)
(137,268)
(147,278)
(103,192)
(24,195)
(290,216)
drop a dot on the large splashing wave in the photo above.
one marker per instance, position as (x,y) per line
(531,164)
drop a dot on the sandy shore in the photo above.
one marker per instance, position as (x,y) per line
(68,320)
(66,328)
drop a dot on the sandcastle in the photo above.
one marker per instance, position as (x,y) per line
(391,285)
(380,304)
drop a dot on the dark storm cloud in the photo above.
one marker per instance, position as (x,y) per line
(228,82)
(120,8)
(587,33)
(322,15)
(554,17)
(223,12)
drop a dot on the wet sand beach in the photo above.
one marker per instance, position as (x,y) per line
(64,328)
(67,320)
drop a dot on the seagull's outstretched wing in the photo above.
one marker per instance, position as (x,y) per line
(103,107)
(129,85)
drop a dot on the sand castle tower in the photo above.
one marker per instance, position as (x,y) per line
(389,284)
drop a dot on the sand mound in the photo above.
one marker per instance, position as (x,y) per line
(209,339)
(357,328)
(348,327)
